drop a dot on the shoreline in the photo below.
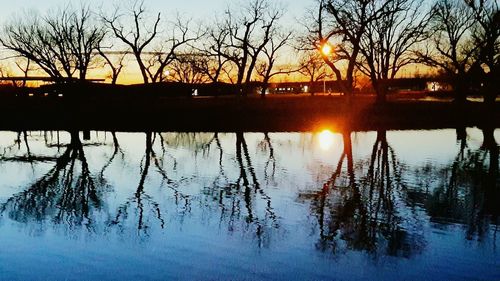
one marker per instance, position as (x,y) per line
(231,114)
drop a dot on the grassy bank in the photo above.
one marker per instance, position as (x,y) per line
(278,113)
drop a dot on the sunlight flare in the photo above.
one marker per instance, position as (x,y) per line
(326,49)
(326,139)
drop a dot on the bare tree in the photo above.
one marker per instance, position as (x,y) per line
(187,68)
(216,58)
(152,58)
(115,61)
(387,45)
(81,34)
(62,44)
(452,50)
(170,48)
(312,66)
(267,68)
(137,38)
(28,39)
(249,33)
(342,23)
(25,67)
(486,36)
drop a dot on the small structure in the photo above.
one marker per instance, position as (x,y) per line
(305,87)
(49,88)
(46,79)
(431,84)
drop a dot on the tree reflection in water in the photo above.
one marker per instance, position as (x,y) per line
(64,195)
(361,206)
(141,201)
(467,190)
(374,204)
(233,198)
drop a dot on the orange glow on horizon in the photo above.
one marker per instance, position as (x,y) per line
(131,73)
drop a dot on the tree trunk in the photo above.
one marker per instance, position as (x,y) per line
(142,67)
(265,84)
(460,96)
(263,90)
(490,97)
(460,88)
(381,92)
(75,139)
(491,92)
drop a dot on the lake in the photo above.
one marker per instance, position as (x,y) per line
(325,205)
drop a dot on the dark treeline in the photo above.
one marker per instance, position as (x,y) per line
(345,40)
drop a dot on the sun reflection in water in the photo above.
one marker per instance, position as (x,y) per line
(326,140)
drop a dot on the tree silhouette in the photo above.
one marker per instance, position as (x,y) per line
(25,66)
(388,43)
(346,22)
(266,69)
(248,33)
(312,66)
(452,50)
(137,39)
(486,35)
(216,57)
(61,44)
(188,68)
(116,65)
(141,39)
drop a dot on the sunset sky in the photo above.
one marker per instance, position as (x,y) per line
(197,10)
(200,11)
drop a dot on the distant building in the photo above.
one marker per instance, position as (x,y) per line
(393,85)
(436,86)
(305,87)
(417,85)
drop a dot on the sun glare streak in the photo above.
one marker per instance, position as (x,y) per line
(326,140)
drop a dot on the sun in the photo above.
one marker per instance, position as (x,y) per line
(326,49)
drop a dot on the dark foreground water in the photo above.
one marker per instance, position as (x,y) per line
(395,205)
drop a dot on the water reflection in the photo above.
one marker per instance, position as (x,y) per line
(361,196)
(326,140)
(67,193)
(468,187)
(362,205)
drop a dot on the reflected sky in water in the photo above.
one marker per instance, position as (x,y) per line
(385,205)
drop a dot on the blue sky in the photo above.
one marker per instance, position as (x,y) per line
(196,9)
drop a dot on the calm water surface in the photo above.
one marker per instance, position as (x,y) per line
(395,205)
